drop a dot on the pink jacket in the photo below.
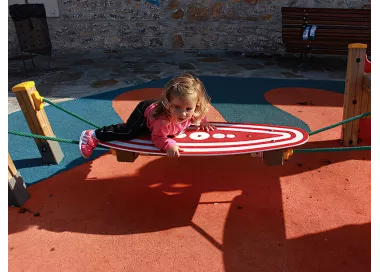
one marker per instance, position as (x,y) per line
(161,128)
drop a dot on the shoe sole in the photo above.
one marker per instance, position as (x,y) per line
(80,143)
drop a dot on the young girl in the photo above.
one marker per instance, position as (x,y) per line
(184,102)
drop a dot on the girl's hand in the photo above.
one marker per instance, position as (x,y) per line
(206,126)
(173,152)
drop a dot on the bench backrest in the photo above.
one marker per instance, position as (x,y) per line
(336,28)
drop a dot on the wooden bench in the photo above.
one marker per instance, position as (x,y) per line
(336,29)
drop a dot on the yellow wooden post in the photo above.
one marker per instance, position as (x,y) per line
(353,92)
(38,122)
(17,192)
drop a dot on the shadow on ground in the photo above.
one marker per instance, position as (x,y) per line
(135,201)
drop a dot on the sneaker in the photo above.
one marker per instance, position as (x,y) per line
(87,143)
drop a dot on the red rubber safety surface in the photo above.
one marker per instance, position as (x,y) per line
(217,213)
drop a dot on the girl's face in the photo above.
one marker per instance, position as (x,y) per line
(182,108)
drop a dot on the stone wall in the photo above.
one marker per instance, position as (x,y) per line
(243,25)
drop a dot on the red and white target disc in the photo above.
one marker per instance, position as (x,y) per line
(227,139)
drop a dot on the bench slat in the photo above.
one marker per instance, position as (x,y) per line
(326,32)
(326,10)
(297,36)
(320,22)
(327,27)
(344,43)
(317,51)
(350,18)
(326,42)
(336,29)
(323,14)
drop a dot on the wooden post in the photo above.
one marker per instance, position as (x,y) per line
(38,122)
(277,157)
(365,122)
(124,156)
(257,154)
(353,94)
(273,157)
(366,98)
(17,192)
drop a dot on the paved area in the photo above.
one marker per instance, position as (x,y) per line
(81,74)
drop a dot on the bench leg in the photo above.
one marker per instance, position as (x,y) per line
(303,54)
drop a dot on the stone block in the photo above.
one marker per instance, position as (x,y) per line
(174,4)
(178,14)
(177,42)
(217,10)
(197,13)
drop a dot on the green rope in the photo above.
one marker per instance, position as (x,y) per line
(72,114)
(332,149)
(341,123)
(30,135)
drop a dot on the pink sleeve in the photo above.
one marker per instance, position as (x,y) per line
(160,134)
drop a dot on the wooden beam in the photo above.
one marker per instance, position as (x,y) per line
(38,122)
(273,157)
(353,92)
(124,156)
(366,100)
(17,192)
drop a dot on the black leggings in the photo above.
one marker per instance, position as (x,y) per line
(135,125)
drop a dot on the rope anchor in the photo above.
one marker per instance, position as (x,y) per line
(38,100)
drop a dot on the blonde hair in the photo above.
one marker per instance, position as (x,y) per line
(182,86)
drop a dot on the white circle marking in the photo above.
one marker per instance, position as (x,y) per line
(199,136)
(219,136)
(180,136)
